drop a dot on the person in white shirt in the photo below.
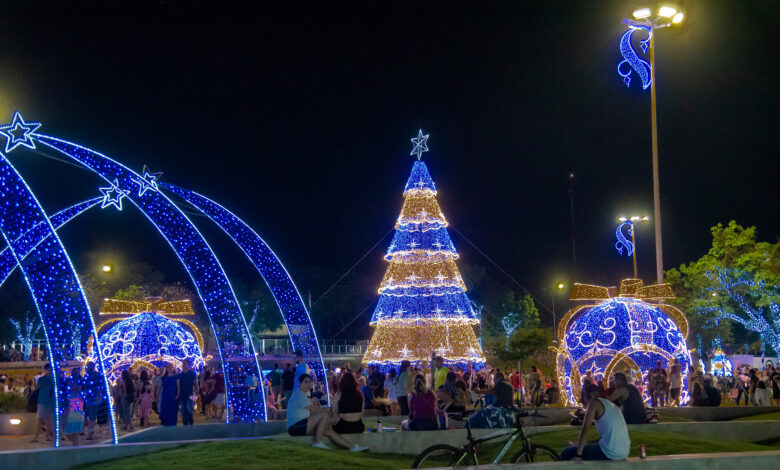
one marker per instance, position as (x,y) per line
(305,417)
(613,443)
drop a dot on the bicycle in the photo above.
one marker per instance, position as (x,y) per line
(444,455)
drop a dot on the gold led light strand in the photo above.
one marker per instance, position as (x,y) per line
(423,308)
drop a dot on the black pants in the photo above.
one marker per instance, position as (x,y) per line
(403,403)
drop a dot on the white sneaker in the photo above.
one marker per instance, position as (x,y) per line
(320,445)
(358,448)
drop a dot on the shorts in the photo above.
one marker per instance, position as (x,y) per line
(299,428)
(44,411)
(219,400)
(349,427)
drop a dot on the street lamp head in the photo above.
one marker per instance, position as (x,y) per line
(560,285)
(622,219)
(667,12)
(645,218)
(678,17)
(635,218)
(642,13)
(107,268)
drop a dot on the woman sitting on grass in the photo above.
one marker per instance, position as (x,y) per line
(422,408)
(305,417)
(348,409)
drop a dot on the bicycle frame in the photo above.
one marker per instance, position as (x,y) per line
(513,433)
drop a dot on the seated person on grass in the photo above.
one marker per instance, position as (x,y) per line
(373,397)
(348,406)
(305,417)
(613,443)
(630,400)
(423,414)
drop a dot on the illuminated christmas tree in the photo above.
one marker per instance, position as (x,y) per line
(423,307)
(721,365)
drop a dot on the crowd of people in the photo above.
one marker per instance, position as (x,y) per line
(426,396)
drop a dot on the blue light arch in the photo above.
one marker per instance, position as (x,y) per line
(299,326)
(51,278)
(211,283)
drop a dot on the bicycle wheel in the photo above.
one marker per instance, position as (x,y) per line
(443,455)
(536,453)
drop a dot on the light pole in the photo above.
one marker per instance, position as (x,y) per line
(630,221)
(667,16)
(558,287)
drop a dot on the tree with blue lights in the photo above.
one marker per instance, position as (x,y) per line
(25,334)
(423,308)
(735,282)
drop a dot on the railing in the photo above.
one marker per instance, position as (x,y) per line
(282,346)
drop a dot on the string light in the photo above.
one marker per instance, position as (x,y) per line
(422,307)
(622,332)
(631,61)
(208,277)
(150,338)
(721,365)
(48,273)
(623,242)
(112,195)
(18,133)
(299,326)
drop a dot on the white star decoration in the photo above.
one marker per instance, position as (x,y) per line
(441,278)
(399,312)
(18,133)
(442,350)
(420,144)
(438,245)
(424,214)
(412,277)
(420,184)
(413,244)
(147,181)
(437,311)
(112,195)
(405,352)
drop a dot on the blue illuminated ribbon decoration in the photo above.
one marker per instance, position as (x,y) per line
(624,242)
(631,61)
(51,279)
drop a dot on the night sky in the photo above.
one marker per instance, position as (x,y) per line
(299,122)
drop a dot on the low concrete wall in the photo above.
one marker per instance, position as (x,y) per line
(64,458)
(27,425)
(205,431)
(720,461)
(706,413)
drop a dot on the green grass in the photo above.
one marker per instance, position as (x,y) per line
(263,454)
(763,417)
(278,454)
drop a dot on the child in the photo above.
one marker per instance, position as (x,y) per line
(145,404)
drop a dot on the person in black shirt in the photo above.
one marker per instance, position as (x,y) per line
(288,383)
(628,396)
(504,392)
(713,394)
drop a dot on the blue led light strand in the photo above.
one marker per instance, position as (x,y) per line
(208,277)
(285,293)
(631,61)
(623,242)
(18,133)
(49,274)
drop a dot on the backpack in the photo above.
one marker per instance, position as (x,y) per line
(492,417)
